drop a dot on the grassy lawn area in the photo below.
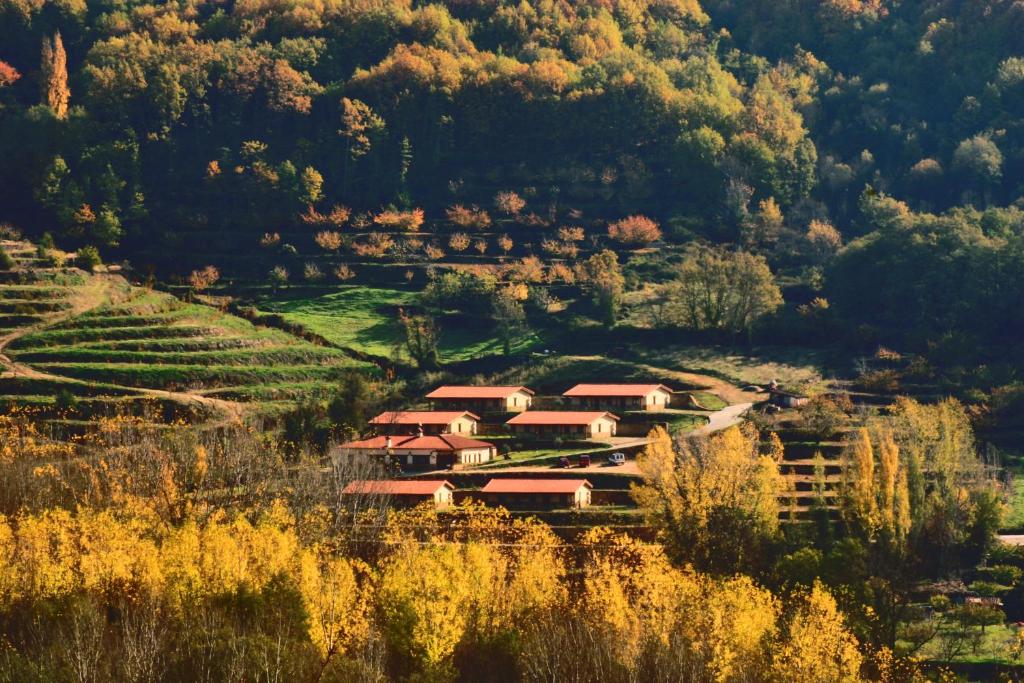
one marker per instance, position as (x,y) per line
(686,423)
(365,319)
(357,317)
(1015,512)
(710,401)
(539,456)
(993,647)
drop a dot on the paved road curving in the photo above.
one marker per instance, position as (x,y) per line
(723,419)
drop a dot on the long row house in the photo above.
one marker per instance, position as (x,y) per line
(512,493)
(444,437)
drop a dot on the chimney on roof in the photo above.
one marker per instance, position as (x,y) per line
(419,430)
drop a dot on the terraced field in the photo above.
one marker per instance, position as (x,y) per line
(99,339)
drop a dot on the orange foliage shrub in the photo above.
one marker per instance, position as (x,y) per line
(407,221)
(312,217)
(560,272)
(571,234)
(459,241)
(560,248)
(204,279)
(509,203)
(634,230)
(339,215)
(376,246)
(343,272)
(528,269)
(471,218)
(328,240)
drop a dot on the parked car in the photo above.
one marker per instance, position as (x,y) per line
(564,462)
(617,459)
(584,461)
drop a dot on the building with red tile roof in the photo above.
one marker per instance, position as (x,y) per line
(569,423)
(528,493)
(416,452)
(481,398)
(429,421)
(404,491)
(620,396)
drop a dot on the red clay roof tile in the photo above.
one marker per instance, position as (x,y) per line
(412,487)
(468,392)
(421,417)
(559,417)
(534,485)
(440,442)
(606,390)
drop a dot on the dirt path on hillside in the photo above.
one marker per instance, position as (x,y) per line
(713,385)
(98,291)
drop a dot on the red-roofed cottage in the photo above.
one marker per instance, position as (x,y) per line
(418,452)
(403,492)
(554,423)
(621,396)
(481,399)
(429,421)
(537,493)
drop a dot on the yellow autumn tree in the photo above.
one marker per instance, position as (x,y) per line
(460,577)
(859,482)
(817,647)
(888,476)
(701,491)
(53,70)
(337,603)
(427,596)
(650,616)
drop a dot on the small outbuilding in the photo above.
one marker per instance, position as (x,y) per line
(785,399)
(427,421)
(564,423)
(537,494)
(620,396)
(417,452)
(403,492)
(481,399)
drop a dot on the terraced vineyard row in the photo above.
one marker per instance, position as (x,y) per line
(95,337)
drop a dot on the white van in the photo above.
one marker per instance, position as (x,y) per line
(617,459)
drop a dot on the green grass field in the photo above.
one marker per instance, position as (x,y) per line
(993,647)
(365,319)
(710,401)
(1014,518)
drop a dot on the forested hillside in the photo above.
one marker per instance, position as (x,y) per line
(787,129)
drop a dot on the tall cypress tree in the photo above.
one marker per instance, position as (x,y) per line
(54,76)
